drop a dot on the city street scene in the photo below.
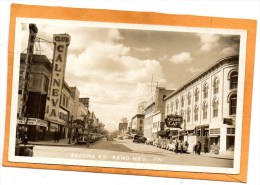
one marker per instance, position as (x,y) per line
(141,94)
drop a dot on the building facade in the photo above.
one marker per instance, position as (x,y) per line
(137,124)
(37,96)
(154,104)
(207,104)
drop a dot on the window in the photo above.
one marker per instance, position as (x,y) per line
(197,95)
(215,131)
(141,129)
(189,99)
(196,113)
(205,90)
(233,80)
(231,131)
(205,110)
(141,122)
(233,104)
(168,108)
(188,115)
(215,108)
(182,101)
(177,104)
(182,114)
(215,86)
(172,106)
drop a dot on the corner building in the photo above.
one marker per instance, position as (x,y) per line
(207,104)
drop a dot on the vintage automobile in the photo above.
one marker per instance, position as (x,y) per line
(171,145)
(82,138)
(110,138)
(149,141)
(139,139)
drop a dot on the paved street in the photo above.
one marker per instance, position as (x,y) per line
(126,150)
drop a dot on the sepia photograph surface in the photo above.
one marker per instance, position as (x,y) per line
(127,96)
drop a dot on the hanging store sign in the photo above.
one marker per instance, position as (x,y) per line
(61,43)
(174,121)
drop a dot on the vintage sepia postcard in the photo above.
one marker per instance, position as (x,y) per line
(129,92)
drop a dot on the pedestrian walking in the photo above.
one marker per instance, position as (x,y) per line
(198,148)
(176,146)
(195,149)
(181,147)
(58,136)
(205,148)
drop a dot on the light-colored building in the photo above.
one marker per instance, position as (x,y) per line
(137,124)
(207,104)
(154,104)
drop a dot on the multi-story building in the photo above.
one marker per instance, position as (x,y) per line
(37,96)
(207,104)
(154,104)
(137,124)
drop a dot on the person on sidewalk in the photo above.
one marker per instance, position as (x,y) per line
(181,146)
(205,148)
(198,147)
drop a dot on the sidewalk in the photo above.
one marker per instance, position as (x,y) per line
(62,142)
(219,156)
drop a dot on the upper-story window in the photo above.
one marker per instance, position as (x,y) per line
(182,113)
(215,85)
(188,114)
(215,108)
(177,104)
(205,90)
(205,110)
(182,101)
(197,95)
(171,106)
(233,104)
(233,80)
(168,108)
(189,98)
(196,113)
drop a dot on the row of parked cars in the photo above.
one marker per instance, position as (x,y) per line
(88,138)
(167,144)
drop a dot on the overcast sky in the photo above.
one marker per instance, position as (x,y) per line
(114,67)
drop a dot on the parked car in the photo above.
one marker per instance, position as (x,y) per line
(139,139)
(171,145)
(110,138)
(82,139)
(163,143)
(156,142)
(149,141)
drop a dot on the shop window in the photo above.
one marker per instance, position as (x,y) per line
(230,130)
(233,80)
(233,104)
(215,85)
(214,131)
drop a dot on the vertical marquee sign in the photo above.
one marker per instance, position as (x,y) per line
(61,43)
